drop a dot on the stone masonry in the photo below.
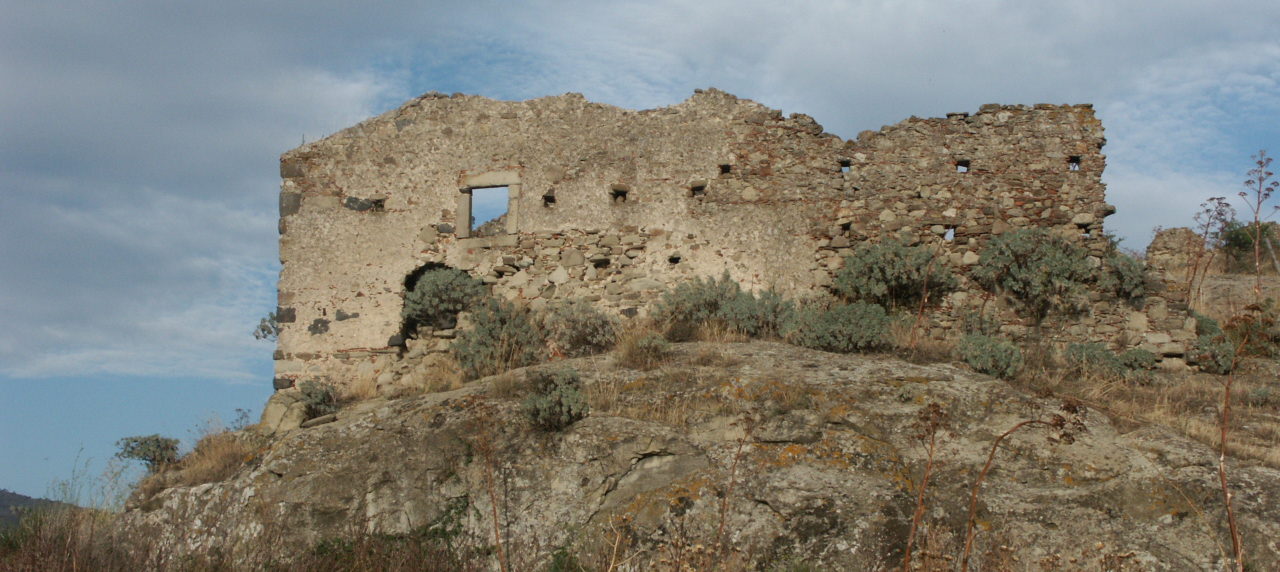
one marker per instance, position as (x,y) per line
(613,205)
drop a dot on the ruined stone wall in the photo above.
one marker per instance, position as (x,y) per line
(613,205)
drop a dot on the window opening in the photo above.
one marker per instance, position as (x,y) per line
(698,190)
(846,227)
(601,262)
(548,200)
(489,211)
(962,166)
(618,194)
(950,235)
(674,259)
(845,165)
(1073,163)
(726,169)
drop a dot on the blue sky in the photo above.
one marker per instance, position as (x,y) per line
(138,162)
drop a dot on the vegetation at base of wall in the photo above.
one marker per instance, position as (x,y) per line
(844,328)
(1043,271)
(642,348)
(437,297)
(1214,354)
(502,337)
(700,303)
(320,398)
(576,328)
(557,400)
(1256,330)
(894,275)
(990,355)
(1094,359)
(154,450)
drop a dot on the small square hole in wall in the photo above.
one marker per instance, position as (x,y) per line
(846,227)
(725,169)
(548,200)
(674,259)
(962,166)
(618,194)
(845,165)
(950,235)
(1073,163)
(378,205)
(698,190)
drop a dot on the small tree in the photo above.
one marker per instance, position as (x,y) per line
(154,450)
(268,328)
(1259,188)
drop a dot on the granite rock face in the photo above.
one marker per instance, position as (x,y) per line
(792,455)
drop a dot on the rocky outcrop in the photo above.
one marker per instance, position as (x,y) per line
(789,455)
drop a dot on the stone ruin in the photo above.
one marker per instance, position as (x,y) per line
(612,206)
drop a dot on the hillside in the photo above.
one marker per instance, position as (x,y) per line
(755,455)
(11,504)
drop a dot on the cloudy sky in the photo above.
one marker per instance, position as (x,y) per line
(138,155)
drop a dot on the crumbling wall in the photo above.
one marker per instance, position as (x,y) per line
(613,205)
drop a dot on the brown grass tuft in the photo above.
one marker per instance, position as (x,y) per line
(642,347)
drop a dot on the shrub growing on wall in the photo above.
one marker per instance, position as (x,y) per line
(1124,276)
(844,328)
(437,296)
(501,337)
(893,275)
(1044,271)
(557,400)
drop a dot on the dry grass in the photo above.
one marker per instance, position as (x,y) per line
(719,332)
(1187,403)
(642,347)
(362,389)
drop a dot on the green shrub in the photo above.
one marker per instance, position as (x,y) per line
(975,322)
(437,297)
(845,328)
(757,316)
(1137,359)
(1237,243)
(1206,326)
(1255,331)
(990,355)
(577,328)
(557,400)
(700,302)
(320,398)
(1093,358)
(154,450)
(501,337)
(1214,353)
(1124,276)
(893,275)
(696,301)
(1044,271)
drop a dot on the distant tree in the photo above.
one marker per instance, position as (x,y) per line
(268,328)
(154,450)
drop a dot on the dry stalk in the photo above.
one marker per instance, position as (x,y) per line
(931,418)
(1067,426)
(1237,548)
(484,445)
(721,544)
